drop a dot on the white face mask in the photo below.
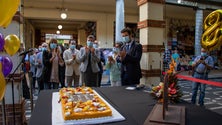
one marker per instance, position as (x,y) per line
(126,39)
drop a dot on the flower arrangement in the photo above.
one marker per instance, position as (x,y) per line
(174,92)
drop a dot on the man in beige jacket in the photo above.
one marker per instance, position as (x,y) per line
(71,59)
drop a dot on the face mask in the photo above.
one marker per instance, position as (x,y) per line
(53,45)
(126,39)
(95,45)
(116,50)
(89,44)
(203,54)
(40,49)
(72,47)
(43,49)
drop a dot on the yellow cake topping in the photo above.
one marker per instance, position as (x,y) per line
(82,103)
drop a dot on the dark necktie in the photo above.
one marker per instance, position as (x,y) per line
(89,56)
(127,48)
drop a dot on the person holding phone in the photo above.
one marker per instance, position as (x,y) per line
(202,65)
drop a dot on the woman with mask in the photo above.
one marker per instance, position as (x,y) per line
(51,60)
(40,66)
(114,67)
(89,58)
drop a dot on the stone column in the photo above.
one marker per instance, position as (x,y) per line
(198,30)
(152,36)
(119,19)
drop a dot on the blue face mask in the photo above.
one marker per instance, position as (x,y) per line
(95,45)
(53,45)
(89,44)
(116,50)
(72,47)
(126,39)
(40,49)
(203,54)
(43,49)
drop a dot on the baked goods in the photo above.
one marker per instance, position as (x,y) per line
(82,103)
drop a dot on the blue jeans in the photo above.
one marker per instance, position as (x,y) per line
(195,86)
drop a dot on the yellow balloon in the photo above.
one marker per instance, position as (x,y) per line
(4,25)
(2,83)
(8,9)
(12,44)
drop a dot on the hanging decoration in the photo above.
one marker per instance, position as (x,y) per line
(12,44)
(2,41)
(7,65)
(2,83)
(8,9)
(212,36)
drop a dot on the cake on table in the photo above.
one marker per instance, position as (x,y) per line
(82,103)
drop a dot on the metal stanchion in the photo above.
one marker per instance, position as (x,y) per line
(12,82)
(3,111)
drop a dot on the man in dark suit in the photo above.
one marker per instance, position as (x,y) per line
(130,56)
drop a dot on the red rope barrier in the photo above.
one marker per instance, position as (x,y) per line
(218,84)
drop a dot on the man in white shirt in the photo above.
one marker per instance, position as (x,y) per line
(71,59)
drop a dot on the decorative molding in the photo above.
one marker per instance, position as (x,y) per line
(151,73)
(18,17)
(141,2)
(153,48)
(151,23)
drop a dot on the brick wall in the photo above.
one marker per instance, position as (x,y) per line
(19,114)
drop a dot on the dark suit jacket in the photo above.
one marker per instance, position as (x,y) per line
(132,63)
(46,73)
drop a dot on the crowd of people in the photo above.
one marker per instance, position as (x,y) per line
(52,66)
(183,61)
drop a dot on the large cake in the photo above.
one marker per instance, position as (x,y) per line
(82,103)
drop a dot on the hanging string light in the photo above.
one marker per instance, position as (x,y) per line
(63,14)
(59,27)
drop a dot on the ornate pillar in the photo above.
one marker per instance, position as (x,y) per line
(198,30)
(119,19)
(152,35)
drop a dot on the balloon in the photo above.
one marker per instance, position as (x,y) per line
(2,42)
(2,83)
(212,36)
(6,65)
(12,44)
(8,9)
